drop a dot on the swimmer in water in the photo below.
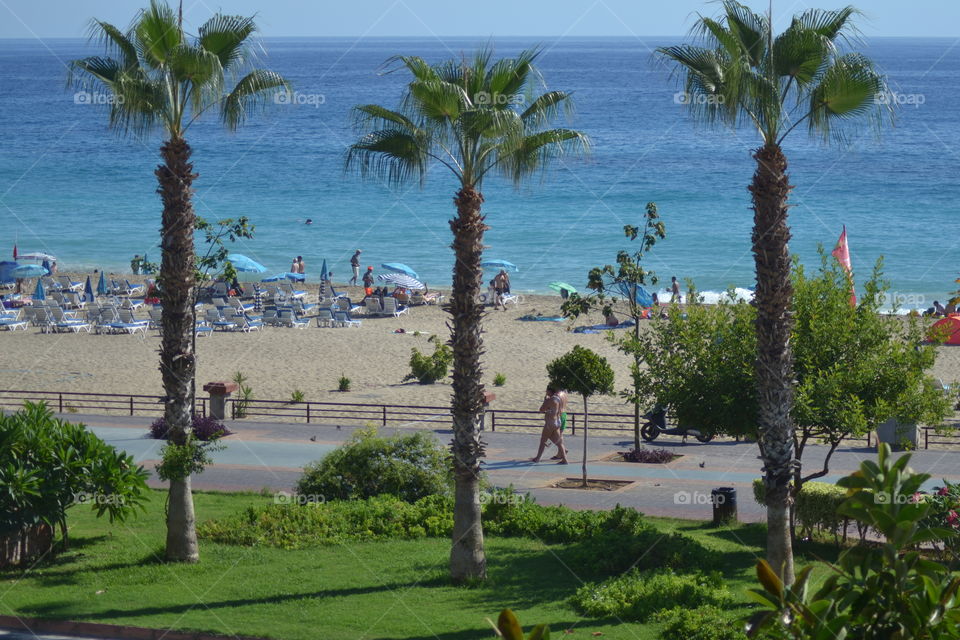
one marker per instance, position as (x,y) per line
(309,221)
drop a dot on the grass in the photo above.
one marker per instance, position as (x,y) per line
(397,590)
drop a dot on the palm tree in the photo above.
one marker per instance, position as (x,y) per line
(159,79)
(466,116)
(741,74)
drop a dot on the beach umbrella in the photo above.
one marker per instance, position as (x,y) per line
(399,267)
(88,291)
(38,256)
(499,264)
(401,280)
(561,287)
(38,293)
(14,251)
(642,297)
(102,285)
(28,271)
(323,279)
(243,263)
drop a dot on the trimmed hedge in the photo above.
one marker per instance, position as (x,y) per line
(638,595)
(815,506)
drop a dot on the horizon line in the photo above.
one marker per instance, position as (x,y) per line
(489,37)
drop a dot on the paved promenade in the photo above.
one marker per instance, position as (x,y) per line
(271,456)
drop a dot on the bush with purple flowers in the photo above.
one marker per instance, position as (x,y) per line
(204,428)
(650,456)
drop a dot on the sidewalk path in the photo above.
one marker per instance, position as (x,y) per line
(271,456)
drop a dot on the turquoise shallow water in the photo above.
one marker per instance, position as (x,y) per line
(70,187)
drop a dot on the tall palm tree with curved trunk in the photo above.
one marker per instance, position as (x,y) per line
(740,73)
(160,79)
(472,117)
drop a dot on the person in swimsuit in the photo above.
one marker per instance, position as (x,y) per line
(551,410)
(355,265)
(563,419)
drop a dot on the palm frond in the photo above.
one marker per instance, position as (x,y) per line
(750,29)
(546,107)
(535,151)
(850,88)
(370,117)
(157,33)
(713,83)
(829,24)
(801,54)
(511,76)
(254,91)
(437,101)
(227,37)
(390,155)
(417,66)
(199,72)
(114,41)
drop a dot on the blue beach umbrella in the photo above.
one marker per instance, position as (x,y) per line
(28,271)
(399,267)
(642,297)
(38,293)
(499,264)
(294,277)
(323,271)
(243,263)
(102,285)
(88,291)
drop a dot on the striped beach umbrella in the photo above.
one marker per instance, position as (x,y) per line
(401,280)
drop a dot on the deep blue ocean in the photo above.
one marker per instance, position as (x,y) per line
(71,187)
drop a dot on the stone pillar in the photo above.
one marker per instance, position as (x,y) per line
(900,437)
(219,392)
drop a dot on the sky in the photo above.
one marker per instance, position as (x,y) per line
(426,18)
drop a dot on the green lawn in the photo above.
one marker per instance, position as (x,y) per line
(393,590)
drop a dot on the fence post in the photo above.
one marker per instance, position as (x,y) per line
(926,438)
(131,405)
(384,415)
(308,413)
(573,424)
(493,421)
(61,402)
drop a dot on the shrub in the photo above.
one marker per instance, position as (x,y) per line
(499,380)
(427,369)
(408,466)
(343,384)
(49,465)
(703,623)
(637,595)
(205,428)
(242,403)
(649,456)
(293,526)
(297,396)
(943,510)
(815,506)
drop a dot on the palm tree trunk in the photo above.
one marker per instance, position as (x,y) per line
(585,420)
(467,558)
(774,365)
(177,363)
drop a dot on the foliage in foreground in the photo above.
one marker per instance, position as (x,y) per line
(871,593)
(638,595)
(508,627)
(601,543)
(407,466)
(48,465)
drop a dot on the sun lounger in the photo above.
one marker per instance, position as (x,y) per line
(203,330)
(134,289)
(66,284)
(288,318)
(61,322)
(247,324)
(325,318)
(156,317)
(372,306)
(392,308)
(215,320)
(343,319)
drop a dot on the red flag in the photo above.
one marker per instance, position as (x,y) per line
(14,251)
(842,253)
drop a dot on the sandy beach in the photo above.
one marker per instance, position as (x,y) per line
(276,361)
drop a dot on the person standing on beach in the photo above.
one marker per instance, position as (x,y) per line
(355,265)
(295,266)
(368,281)
(563,420)
(300,263)
(551,410)
(675,291)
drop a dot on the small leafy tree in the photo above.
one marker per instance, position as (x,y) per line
(871,593)
(427,369)
(855,368)
(48,466)
(624,280)
(582,371)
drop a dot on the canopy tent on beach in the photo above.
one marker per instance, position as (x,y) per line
(399,267)
(402,280)
(499,264)
(641,296)
(945,330)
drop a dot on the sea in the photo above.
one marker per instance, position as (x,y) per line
(72,187)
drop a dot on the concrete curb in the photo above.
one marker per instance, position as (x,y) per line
(99,630)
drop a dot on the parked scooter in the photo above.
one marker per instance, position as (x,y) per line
(657,424)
